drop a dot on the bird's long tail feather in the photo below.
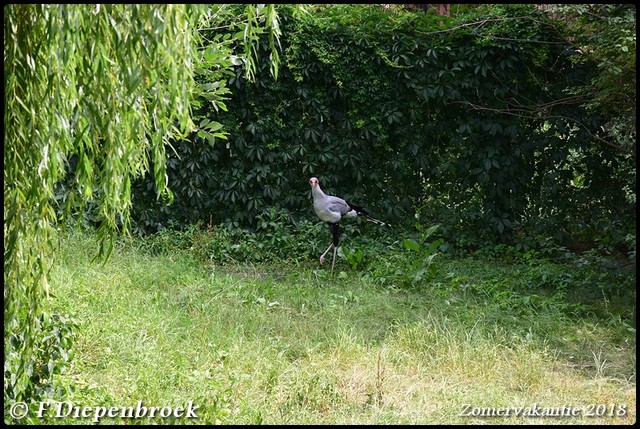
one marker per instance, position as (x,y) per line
(362,212)
(376,221)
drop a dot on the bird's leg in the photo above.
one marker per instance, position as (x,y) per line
(333,264)
(325,252)
(335,230)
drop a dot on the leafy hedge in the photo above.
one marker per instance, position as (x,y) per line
(468,123)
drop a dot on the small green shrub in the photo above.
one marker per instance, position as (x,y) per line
(56,334)
(355,258)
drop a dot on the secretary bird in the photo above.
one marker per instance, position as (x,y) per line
(331,210)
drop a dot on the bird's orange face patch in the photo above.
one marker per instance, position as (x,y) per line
(313,181)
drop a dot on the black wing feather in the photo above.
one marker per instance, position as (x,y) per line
(358,209)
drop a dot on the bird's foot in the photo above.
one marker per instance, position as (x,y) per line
(321,260)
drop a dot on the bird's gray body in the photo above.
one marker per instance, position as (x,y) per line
(329,208)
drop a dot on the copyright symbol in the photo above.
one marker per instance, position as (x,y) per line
(19,410)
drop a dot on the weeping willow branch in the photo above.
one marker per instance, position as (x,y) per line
(110,86)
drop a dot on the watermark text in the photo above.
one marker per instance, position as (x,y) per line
(535,410)
(69,410)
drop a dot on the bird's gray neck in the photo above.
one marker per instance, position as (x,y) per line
(317,192)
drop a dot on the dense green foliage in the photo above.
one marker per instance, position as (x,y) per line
(606,34)
(475,123)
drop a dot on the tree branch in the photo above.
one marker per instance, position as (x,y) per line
(527,113)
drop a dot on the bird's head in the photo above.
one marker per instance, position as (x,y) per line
(313,181)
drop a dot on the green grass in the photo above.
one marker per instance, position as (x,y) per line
(283,344)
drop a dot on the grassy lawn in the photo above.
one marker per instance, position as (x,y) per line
(283,344)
